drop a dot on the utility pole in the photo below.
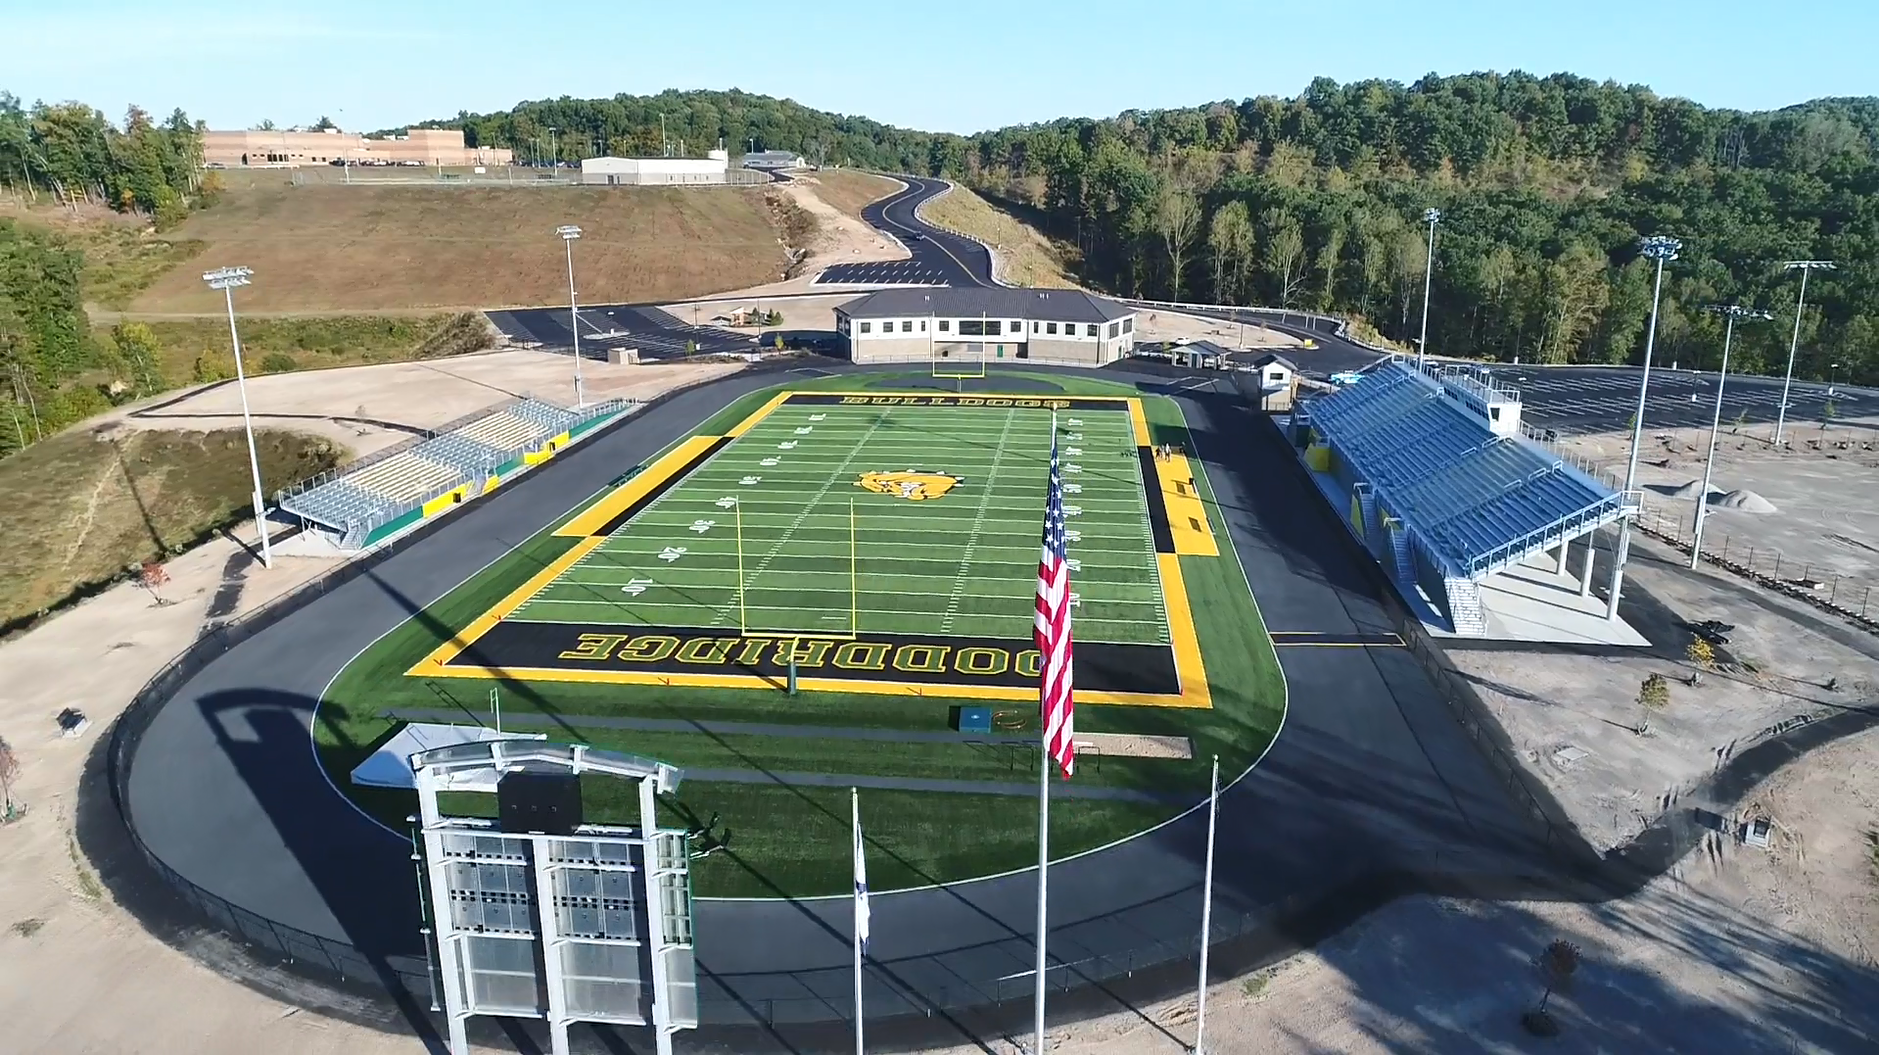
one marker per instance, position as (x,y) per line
(1794,343)
(226,279)
(569,233)
(1733,312)
(1662,249)
(1431,217)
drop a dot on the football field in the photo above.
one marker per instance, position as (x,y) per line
(836,521)
(888,543)
(808,593)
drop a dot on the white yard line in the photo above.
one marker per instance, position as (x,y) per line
(828,484)
(978,523)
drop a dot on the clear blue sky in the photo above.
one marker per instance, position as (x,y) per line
(950,65)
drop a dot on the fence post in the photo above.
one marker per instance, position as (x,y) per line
(1751,560)
(1777,575)
(1725,548)
(1863,600)
(1831,594)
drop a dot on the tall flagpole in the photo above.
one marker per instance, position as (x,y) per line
(1207,913)
(1043,833)
(861,910)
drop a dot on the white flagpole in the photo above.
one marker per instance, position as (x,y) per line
(1043,834)
(854,802)
(1206,913)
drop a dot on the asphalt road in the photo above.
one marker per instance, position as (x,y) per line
(939,258)
(1369,777)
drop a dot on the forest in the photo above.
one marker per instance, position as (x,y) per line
(1545,186)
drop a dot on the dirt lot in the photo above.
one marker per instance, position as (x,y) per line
(1168,326)
(841,237)
(1024,256)
(368,408)
(375,248)
(1825,524)
(1779,664)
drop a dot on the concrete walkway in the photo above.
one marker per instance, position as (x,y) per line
(818,732)
(687,725)
(1024,789)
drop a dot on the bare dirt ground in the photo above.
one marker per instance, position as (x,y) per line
(841,237)
(369,408)
(1782,659)
(1826,518)
(1740,950)
(1168,326)
(78,974)
(799,313)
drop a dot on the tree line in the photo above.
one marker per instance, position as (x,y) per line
(73,153)
(688,124)
(1544,186)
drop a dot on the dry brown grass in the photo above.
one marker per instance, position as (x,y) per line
(379,248)
(849,190)
(79,508)
(1025,256)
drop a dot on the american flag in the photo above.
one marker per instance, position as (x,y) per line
(1053,625)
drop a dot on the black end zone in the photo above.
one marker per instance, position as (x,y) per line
(600,648)
(1157,511)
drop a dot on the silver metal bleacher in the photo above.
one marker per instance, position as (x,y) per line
(382,489)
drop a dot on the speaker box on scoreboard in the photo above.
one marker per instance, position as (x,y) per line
(548,803)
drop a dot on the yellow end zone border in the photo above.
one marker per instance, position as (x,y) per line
(1184,640)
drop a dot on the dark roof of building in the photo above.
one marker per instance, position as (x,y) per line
(962,302)
(1205,347)
(1273,357)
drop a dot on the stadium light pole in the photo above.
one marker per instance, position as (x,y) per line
(226,279)
(1431,217)
(1794,343)
(1662,249)
(569,233)
(1734,313)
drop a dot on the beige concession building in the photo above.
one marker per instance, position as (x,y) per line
(285,149)
(919,323)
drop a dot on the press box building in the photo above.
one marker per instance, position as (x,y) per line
(917,324)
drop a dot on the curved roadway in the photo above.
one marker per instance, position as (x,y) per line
(939,258)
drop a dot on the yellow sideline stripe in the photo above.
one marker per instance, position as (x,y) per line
(594,517)
(433,664)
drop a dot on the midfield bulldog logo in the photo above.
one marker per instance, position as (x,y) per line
(911,484)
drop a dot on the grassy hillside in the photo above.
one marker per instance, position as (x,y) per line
(81,507)
(849,190)
(1025,256)
(380,248)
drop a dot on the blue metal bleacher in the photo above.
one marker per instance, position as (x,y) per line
(1476,501)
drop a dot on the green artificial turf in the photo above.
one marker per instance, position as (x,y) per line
(960,564)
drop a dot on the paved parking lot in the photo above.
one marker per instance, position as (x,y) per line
(1579,399)
(656,333)
(915,272)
